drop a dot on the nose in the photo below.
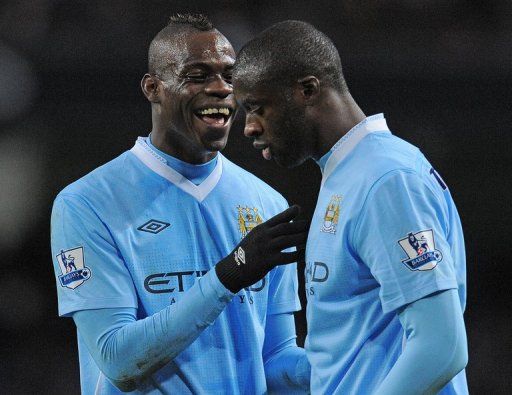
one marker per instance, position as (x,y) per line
(219,87)
(252,127)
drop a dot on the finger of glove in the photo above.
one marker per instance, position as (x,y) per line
(282,242)
(290,228)
(284,216)
(285,258)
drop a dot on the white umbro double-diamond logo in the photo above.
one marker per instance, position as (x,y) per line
(240,256)
(153,226)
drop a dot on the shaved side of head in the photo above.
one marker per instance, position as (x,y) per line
(165,44)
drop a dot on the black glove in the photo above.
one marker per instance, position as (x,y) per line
(260,251)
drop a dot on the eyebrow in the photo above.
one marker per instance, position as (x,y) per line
(251,102)
(205,65)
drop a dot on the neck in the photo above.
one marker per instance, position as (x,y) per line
(179,146)
(340,113)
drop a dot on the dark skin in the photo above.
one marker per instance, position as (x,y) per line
(195,76)
(304,123)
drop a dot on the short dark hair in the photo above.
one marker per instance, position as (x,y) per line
(157,63)
(288,51)
(197,21)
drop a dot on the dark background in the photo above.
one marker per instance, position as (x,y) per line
(441,71)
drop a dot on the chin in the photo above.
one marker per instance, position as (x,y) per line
(214,146)
(288,162)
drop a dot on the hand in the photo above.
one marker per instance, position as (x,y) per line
(261,250)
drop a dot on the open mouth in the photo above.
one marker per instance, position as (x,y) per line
(214,116)
(265,150)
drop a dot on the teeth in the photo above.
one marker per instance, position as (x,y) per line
(208,111)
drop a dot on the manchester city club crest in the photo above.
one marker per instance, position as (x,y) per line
(248,219)
(74,272)
(421,250)
(332,214)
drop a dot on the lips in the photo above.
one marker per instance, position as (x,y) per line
(265,150)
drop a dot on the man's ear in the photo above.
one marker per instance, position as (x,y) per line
(310,88)
(150,87)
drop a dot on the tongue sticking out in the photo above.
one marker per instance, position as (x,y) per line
(266,153)
(213,119)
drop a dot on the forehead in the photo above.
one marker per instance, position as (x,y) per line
(205,47)
(252,91)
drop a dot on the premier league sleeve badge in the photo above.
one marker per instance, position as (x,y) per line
(420,250)
(74,272)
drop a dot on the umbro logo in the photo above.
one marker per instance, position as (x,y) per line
(153,226)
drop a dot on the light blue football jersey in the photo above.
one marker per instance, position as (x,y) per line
(385,233)
(135,233)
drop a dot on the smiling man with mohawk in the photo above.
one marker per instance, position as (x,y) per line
(176,286)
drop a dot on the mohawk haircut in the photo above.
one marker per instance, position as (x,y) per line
(197,21)
(169,35)
(287,51)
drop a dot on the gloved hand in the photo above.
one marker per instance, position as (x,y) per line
(261,250)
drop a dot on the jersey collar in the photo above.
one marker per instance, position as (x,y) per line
(345,145)
(156,163)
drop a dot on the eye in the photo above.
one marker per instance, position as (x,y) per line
(228,77)
(196,77)
(254,109)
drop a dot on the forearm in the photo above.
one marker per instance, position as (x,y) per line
(288,370)
(436,348)
(127,350)
(286,366)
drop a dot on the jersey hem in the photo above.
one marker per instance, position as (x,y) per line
(288,306)
(92,304)
(414,295)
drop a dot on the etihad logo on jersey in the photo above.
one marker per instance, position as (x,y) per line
(160,283)
(316,272)
(71,264)
(248,218)
(332,214)
(421,250)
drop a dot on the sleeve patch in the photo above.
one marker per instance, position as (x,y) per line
(72,266)
(421,250)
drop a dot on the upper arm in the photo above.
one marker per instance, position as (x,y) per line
(401,235)
(435,349)
(434,325)
(89,269)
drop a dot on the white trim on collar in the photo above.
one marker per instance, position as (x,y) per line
(158,164)
(372,124)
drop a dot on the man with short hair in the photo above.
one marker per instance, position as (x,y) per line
(176,287)
(385,261)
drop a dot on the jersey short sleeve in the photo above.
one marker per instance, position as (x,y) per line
(283,294)
(401,235)
(89,270)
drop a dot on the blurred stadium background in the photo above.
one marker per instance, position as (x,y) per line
(441,71)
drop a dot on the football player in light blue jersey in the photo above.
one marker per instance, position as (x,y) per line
(385,262)
(170,258)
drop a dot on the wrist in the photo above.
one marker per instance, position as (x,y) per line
(229,274)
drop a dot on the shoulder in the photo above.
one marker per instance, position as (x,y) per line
(377,157)
(241,178)
(384,152)
(101,183)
